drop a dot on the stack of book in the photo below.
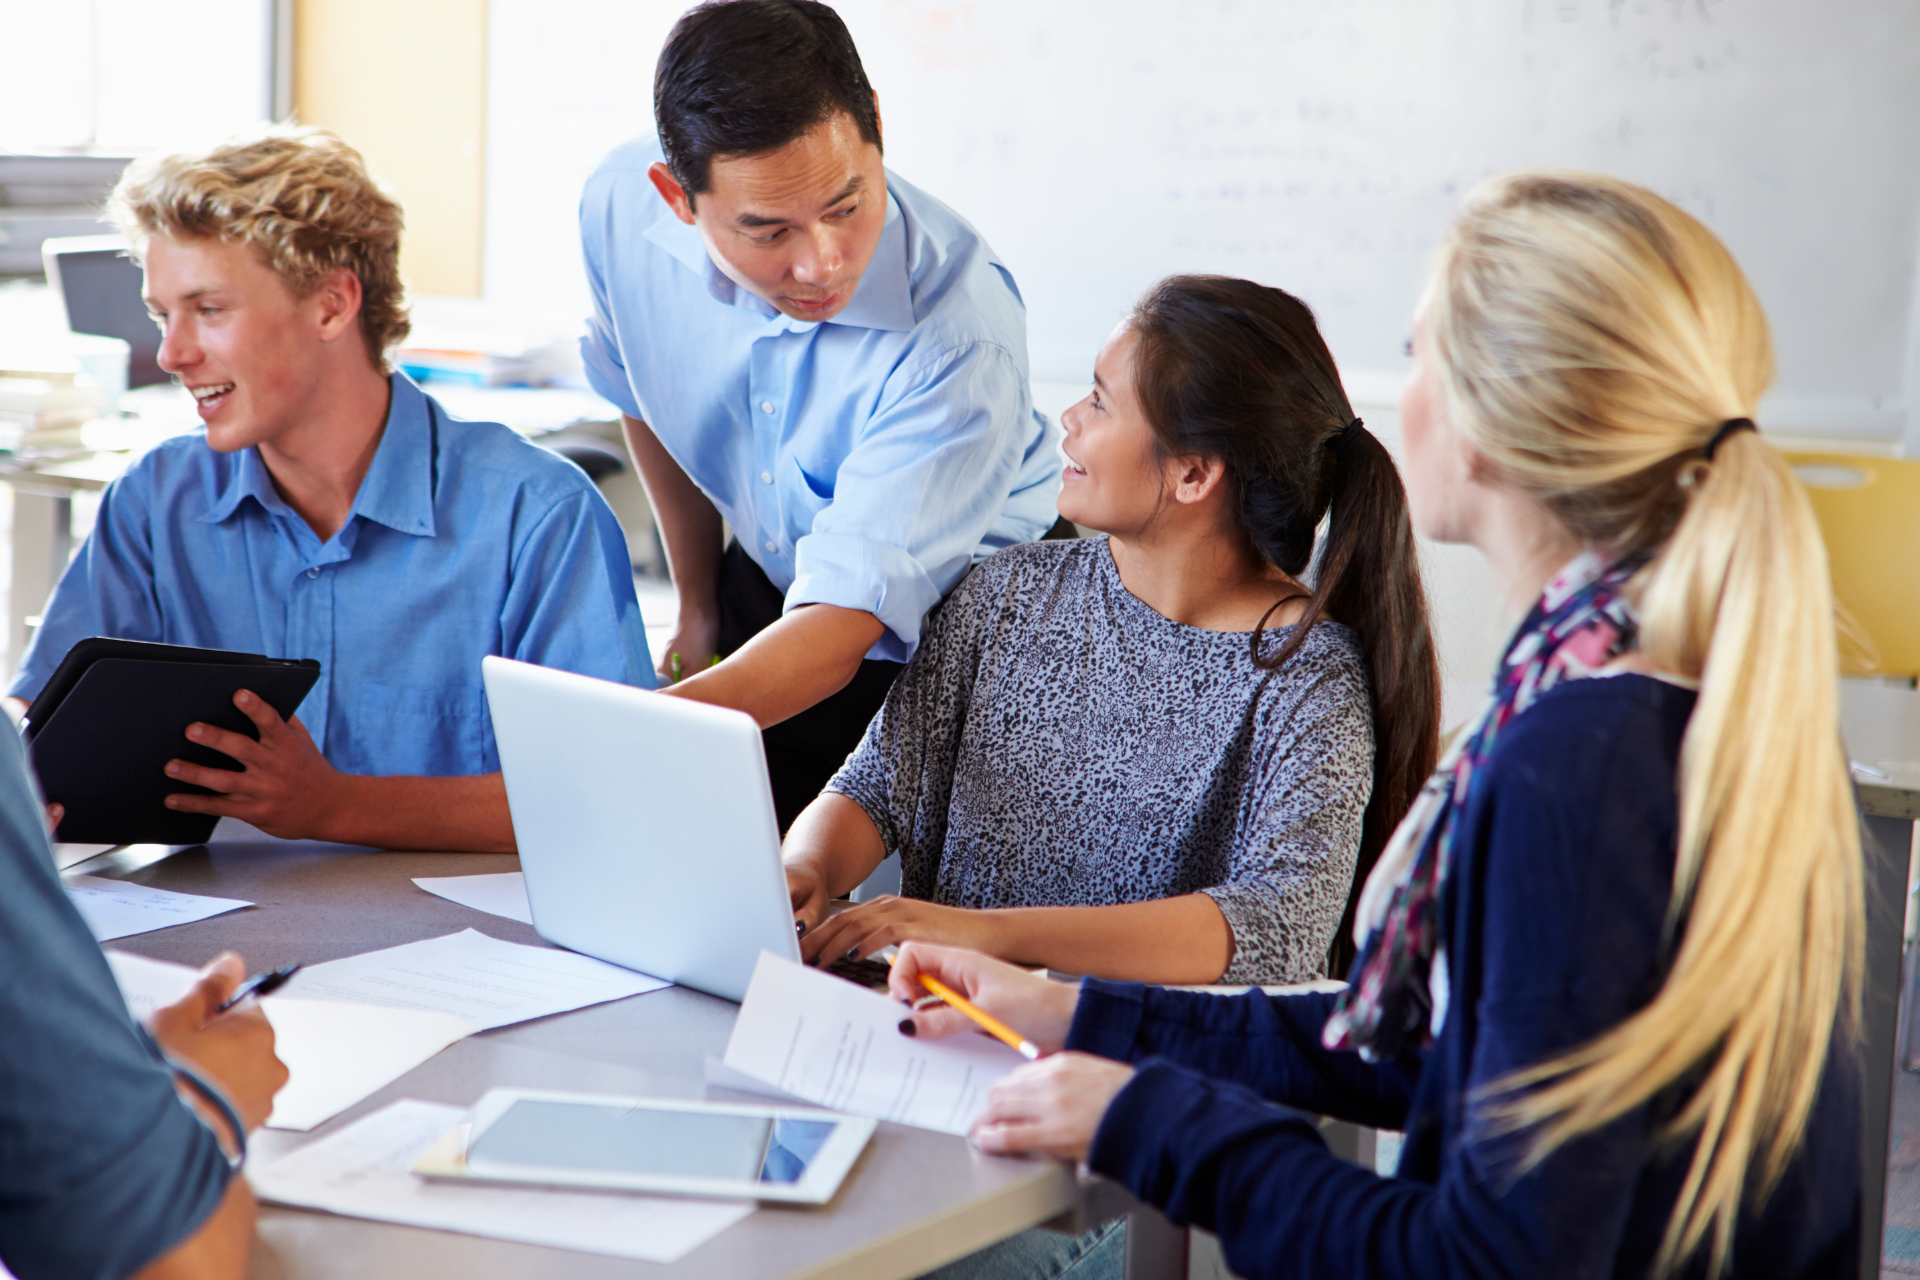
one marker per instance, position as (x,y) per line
(466,368)
(43,402)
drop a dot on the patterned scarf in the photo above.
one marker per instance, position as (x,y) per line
(1396,993)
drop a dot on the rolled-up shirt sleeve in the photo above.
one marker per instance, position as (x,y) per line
(915,496)
(102,1167)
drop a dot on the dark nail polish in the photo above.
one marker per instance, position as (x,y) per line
(907,1028)
(853,953)
(800,928)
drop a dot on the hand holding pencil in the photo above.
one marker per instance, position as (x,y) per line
(978,993)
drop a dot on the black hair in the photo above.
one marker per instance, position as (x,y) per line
(739,77)
(1238,371)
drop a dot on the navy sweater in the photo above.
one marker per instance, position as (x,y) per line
(1553,918)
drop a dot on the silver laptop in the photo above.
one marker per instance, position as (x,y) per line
(645,824)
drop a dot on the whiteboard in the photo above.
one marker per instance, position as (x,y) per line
(1319,145)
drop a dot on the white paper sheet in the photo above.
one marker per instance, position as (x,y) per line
(488,982)
(362,1172)
(339,1053)
(117,909)
(721,1076)
(824,1039)
(502,894)
(336,1053)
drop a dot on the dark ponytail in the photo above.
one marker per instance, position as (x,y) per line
(1238,371)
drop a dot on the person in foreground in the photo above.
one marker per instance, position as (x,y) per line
(1153,755)
(119,1148)
(816,351)
(1611,973)
(332,510)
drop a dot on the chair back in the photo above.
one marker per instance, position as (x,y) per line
(1869,514)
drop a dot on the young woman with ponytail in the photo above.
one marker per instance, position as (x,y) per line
(1157,755)
(1610,963)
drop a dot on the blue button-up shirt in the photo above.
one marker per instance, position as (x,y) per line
(464,540)
(864,461)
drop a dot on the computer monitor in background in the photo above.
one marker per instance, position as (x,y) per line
(100,287)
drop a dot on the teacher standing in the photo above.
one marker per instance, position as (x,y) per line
(816,352)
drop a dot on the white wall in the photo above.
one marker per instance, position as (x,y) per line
(1317,144)
(130,76)
(1321,145)
(1470,630)
(567,81)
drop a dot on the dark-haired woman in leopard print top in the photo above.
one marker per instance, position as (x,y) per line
(1156,755)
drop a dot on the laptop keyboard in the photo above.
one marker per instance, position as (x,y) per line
(863,973)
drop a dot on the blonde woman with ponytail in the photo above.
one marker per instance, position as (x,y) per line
(1609,964)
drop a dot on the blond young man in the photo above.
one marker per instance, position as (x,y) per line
(333,510)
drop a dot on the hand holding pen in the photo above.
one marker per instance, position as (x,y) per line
(260,984)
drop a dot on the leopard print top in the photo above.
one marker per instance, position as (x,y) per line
(1056,742)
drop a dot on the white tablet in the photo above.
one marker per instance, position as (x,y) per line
(666,1146)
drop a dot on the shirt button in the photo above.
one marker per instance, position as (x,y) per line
(766,477)
(766,406)
(313,573)
(773,546)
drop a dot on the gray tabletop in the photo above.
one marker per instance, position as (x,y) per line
(915,1199)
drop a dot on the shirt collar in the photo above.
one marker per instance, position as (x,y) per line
(884,299)
(398,489)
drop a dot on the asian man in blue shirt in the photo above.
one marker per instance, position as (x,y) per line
(332,510)
(821,354)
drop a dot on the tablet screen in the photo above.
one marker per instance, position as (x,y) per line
(643,1140)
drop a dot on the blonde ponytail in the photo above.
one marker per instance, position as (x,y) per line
(1591,338)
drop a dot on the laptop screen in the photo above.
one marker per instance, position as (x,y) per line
(101,289)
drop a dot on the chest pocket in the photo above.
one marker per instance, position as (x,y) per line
(803,496)
(441,731)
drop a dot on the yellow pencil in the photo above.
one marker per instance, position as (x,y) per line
(988,1023)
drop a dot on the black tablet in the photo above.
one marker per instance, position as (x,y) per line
(115,711)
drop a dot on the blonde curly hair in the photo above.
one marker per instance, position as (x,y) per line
(299,195)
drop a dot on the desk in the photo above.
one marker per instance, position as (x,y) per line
(915,1200)
(42,533)
(1882,728)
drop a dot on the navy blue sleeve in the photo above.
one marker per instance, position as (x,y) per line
(1269,1045)
(102,1167)
(1559,893)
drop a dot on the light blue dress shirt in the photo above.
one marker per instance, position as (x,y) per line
(864,461)
(464,541)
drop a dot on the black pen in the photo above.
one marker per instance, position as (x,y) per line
(260,984)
